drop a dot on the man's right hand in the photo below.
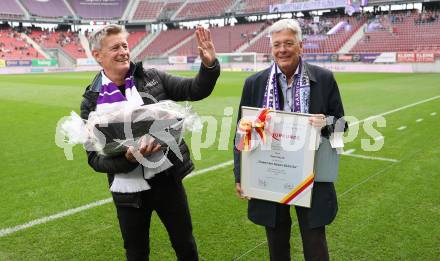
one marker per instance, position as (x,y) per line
(240,191)
(129,154)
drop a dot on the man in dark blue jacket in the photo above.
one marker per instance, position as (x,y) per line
(291,84)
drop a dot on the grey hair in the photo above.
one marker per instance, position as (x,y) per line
(286,24)
(96,37)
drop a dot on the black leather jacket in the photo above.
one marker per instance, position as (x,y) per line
(160,86)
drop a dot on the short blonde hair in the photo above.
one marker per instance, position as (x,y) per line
(96,37)
(286,24)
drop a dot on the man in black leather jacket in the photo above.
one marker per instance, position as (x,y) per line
(167,195)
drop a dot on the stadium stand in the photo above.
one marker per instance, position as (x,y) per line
(169,9)
(316,37)
(252,6)
(10,10)
(148,10)
(13,47)
(204,9)
(401,32)
(68,41)
(262,45)
(330,43)
(226,39)
(164,41)
(134,38)
(106,10)
(405,31)
(41,8)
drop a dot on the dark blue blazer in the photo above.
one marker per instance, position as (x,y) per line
(324,99)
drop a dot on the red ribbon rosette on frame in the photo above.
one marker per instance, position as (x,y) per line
(250,132)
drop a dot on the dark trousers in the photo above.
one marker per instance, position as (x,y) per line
(168,198)
(278,237)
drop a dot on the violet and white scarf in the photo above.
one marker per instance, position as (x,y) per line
(271,97)
(111,99)
(301,91)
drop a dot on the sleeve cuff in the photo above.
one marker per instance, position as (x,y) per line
(212,66)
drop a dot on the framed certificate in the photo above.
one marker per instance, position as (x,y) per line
(279,167)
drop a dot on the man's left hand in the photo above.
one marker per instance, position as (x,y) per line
(205,46)
(318,120)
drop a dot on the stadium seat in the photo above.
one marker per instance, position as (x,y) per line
(11,10)
(226,39)
(99,9)
(406,35)
(135,37)
(164,41)
(47,8)
(252,6)
(68,41)
(204,9)
(13,47)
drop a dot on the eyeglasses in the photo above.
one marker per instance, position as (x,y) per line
(288,44)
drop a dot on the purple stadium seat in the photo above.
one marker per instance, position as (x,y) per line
(10,9)
(47,8)
(110,9)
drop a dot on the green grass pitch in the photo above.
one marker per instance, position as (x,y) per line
(387,210)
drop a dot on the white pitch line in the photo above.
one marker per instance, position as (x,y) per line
(401,128)
(379,138)
(369,157)
(69,212)
(215,167)
(393,111)
(252,249)
(372,176)
(419,120)
(433,113)
(349,151)
(10,230)
(340,196)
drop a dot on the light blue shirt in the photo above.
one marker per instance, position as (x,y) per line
(287,89)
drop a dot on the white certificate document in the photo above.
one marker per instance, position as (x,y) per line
(280,169)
